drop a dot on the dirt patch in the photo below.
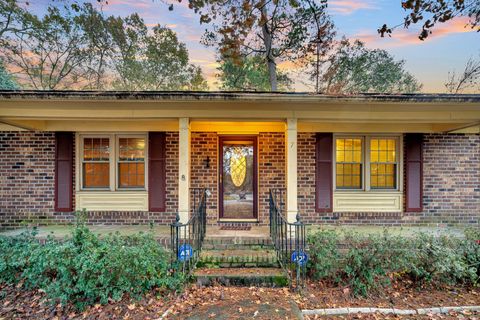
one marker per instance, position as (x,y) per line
(219,302)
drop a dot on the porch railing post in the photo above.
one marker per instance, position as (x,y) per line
(288,239)
(189,236)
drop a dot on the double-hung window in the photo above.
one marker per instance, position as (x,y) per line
(131,162)
(366,163)
(113,162)
(96,163)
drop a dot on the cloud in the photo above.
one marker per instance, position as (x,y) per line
(407,37)
(346,7)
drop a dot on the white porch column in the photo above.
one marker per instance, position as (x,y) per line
(291,168)
(184,169)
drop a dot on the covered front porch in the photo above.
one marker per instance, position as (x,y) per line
(190,139)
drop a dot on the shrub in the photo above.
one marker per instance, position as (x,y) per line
(324,254)
(15,253)
(86,269)
(368,262)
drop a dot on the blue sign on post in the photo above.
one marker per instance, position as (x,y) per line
(299,257)
(185,252)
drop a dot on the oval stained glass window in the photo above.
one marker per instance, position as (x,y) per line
(238,166)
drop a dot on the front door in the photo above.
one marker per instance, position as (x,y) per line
(238,177)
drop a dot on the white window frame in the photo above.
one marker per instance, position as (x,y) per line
(82,160)
(366,138)
(113,162)
(363,163)
(117,161)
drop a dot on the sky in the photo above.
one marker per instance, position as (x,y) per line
(430,61)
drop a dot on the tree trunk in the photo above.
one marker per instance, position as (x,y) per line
(267,41)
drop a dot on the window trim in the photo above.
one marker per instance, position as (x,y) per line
(363,163)
(82,161)
(397,162)
(366,137)
(113,140)
(117,161)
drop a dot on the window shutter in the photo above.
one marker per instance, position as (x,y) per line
(156,172)
(413,173)
(324,173)
(63,171)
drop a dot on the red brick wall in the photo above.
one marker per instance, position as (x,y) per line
(451,185)
(27,168)
(451,181)
(27,184)
(271,169)
(203,145)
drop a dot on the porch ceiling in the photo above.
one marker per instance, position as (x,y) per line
(229,112)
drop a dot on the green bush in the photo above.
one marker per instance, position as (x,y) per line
(368,262)
(86,269)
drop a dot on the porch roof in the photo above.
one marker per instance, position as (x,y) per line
(159,111)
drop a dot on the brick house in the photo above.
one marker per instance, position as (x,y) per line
(132,158)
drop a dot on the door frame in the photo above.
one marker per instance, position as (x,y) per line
(221,140)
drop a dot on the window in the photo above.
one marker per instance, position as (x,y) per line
(99,154)
(366,163)
(131,162)
(383,163)
(349,163)
(95,166)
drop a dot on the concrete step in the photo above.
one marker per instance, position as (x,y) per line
(234,246)
(238,258)
(265,277)
(232,243)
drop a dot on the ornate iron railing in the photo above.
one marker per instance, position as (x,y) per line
(187,238)
(288,239)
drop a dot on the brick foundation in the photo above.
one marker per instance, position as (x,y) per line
(451,181)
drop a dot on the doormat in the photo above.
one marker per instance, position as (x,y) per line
(236,228)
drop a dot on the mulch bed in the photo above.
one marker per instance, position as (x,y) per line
(219,302)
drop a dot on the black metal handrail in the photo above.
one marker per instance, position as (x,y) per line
(288,239)
(187,238)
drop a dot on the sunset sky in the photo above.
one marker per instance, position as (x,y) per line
(446,50)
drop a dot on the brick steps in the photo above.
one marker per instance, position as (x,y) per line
(266,277)
(239,261)
(239,258)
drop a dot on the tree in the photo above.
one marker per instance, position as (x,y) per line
(6,80)
(74,46)
(99,44)
(280,30)
(436,11)
(156,61)
(11,18)
(353,68)
(468,79)
(250,74)
(49,54)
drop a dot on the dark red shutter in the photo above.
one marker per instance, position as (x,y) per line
(413,172)
(324,173)
(156,172)
(63,171)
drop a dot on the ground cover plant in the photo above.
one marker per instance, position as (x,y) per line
(368,263)
(86,269)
